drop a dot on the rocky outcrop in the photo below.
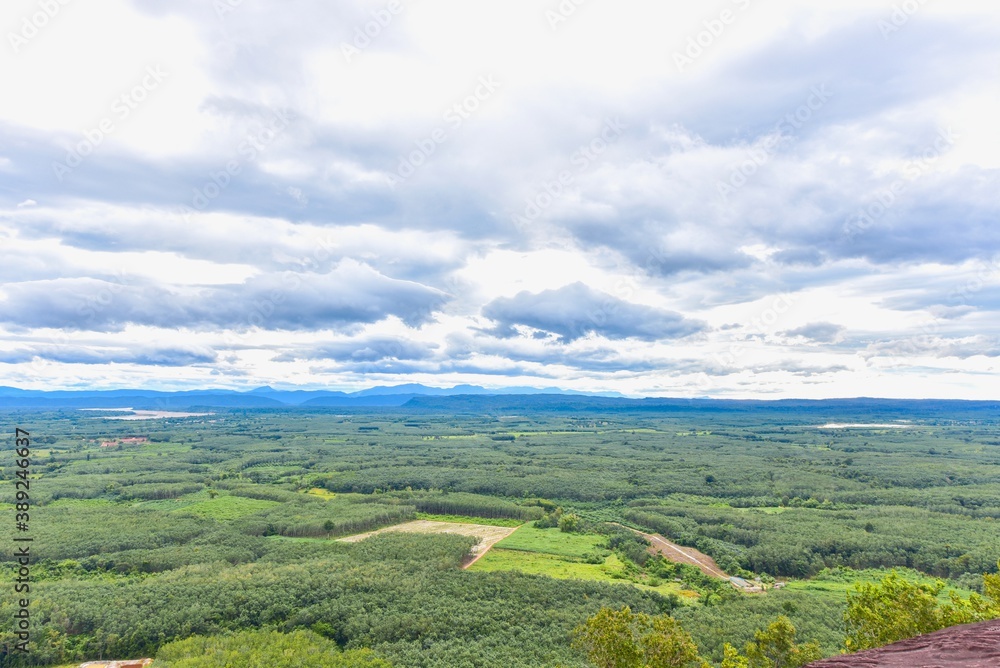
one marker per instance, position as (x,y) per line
(968,646)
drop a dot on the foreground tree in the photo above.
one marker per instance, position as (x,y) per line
(623,639)
(775,647)
(895,609)
(731,658)
(263,649)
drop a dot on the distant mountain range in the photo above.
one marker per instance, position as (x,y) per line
(475,399)
(261,397)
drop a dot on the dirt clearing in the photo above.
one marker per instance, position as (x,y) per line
(488,535)
(685,555)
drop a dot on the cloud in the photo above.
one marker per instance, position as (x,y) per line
(800,155)
(924,344)
(350,294)
(576,310)
(368,350)
(820,332)
(144,356)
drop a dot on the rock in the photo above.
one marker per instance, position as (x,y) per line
(968,646)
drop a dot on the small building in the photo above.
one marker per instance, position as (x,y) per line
(744,586)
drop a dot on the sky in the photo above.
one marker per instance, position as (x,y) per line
(735,199)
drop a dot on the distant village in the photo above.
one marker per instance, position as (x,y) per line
(125,440)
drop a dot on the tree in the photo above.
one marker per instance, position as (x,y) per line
(976,608)
(623,639)
(991,585)
(775,647)
(890,611)
(731,658)
(264,649)
(666,645)
(608,639)
(569,522)
(896,609)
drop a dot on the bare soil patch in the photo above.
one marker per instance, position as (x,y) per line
(488,535)
(685,555)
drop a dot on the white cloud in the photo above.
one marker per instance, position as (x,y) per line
(815,236)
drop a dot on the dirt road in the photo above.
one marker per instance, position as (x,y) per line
(685,555)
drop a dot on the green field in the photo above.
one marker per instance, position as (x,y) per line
(227,507)
(838,582)
(550,565)
(559,554)
(553,541)
(468,519)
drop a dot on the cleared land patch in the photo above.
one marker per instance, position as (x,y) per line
(226,507)
(488,535)
(685,555)
(554,566)
(468,519)
(568,556)
(553,541)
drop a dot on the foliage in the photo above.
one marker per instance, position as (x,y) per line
(623,639)
(731,658)
(263,649)
(817,617)
(396,593)
(569,522)
(895,609)
(207,528)
(775,647)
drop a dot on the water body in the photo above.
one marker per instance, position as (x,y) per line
(140,414)
(858,425)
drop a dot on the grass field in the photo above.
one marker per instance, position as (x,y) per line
(832,583)
(226,507)
(554,566)
(223,507)
(466,519)
(553,541)
(322,493)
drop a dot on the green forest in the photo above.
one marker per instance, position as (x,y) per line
(222,535)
